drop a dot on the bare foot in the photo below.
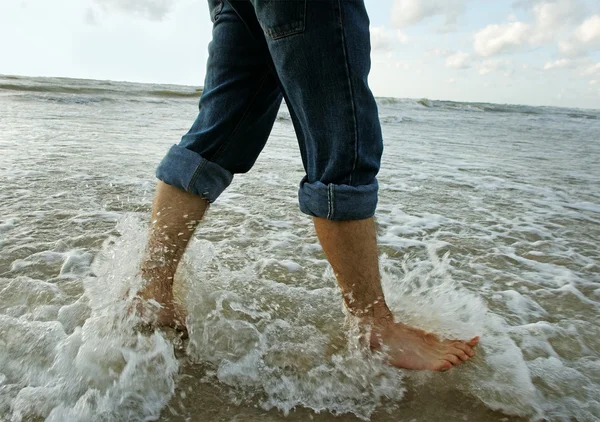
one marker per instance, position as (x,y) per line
(411,348)
(168,313)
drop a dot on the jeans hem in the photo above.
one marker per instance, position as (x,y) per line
(338,202)
(189,171)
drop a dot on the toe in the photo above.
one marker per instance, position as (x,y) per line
(465,348)
(459,353)
(473,342)
(442,366)
(452,359)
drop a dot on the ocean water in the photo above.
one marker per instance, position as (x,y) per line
(488,222)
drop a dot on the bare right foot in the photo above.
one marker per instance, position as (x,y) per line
(411,348)
(169,313)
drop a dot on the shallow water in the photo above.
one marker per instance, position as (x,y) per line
(488,224)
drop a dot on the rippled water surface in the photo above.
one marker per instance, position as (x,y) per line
(489,224)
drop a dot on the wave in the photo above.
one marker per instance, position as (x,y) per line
(386,120)
(495,108)
(425,102)
(389,100)
(175,94)
(582,116)
(107,89)
(96,91)
(52,88)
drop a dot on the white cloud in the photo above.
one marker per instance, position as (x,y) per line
(552,18)
(381,39)
(493,65)
(459,60)
(589,31)
(402,37)
(584,38)
(571,49)
(150,9)
(409,12)
(438,52)
(90,17)
(552,21)
(494,39)
(558,64)
(384,40)
(591,70)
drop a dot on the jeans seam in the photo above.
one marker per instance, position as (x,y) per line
(223,147)
(351,89)
(330,201)
(195,175)
(242,19)
(292,28)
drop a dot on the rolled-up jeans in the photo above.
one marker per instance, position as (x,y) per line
(315,54)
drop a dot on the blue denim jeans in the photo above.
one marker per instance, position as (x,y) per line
(316,55)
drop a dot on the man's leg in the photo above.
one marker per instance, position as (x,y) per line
(175,215)
(238,107)
(351,248)
(321,50)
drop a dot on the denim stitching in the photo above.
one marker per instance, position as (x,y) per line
(195,175)
(354,119)
(244,21)
(288,29)
(221,150)
(330,203)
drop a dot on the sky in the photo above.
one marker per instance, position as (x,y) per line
(537,52)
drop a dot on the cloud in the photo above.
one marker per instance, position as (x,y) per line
(402,37)
(558,64)
(552,22)
(410,12)
(584,38)
(552,18)
(384,40)
(589,31)
(591,70)
(90,17)
(493,65)
(459,60)
(438,52)
(155,10)
(571,49)
(381,39)
(494,39)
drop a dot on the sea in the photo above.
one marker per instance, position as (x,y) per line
(488,224)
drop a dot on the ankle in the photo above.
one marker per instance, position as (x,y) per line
(377,314)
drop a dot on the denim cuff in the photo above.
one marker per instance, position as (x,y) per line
(338,202)
(188,171)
